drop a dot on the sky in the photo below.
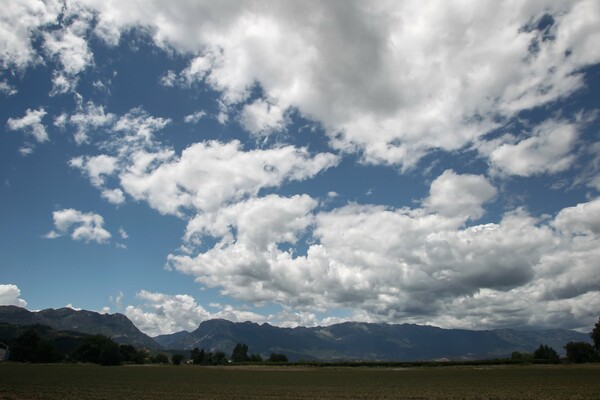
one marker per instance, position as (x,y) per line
(302,163)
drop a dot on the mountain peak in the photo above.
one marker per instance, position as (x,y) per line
(117,326)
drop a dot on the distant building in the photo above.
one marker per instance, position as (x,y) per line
(3,352)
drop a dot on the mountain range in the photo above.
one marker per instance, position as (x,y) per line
(368,341)
(117,326)
(345,341)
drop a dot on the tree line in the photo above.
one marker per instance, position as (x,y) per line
(238,355)
(30,347)
(576,352)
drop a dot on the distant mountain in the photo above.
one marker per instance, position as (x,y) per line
(117,326)
(178,340)
(365,341)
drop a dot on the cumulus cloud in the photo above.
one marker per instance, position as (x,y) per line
(163,313)
(88,227)
(392,81)
(209,174)
(18,23)
(454,195)
(420,265)
(114,196)
(262,118)
(122,137)
(97,167)
(10,295)
(583,218)
(203,177)
(376,80)
(31,124)
(258,222)
(69,46)
(547,150)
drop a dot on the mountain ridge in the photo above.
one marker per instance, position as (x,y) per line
(117,325)
(368,341)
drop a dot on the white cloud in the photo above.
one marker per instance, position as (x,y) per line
(195,117)
(393,79)
(210,174)
(390,80)
(583,218)
(420,265)
(127,137)
(258,222)
(262,118)
(123,234)
(62,83)
(547,150)
(162,313)
(88,119)
(18,23)
(169,79)
(70,47)
(136,129)
(10,296)
(462,196)
(7,88)
(70,305)
(81,226)
(25,151)
(97,167)
(31,124)
(114,196)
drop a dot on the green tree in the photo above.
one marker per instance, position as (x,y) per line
(218,358)
(240,353)
(256,358)
(29,347)
(159,358)
(177,359)
(197,356)
(581,352)
(99,349)
(109,354)
(596,335)
(546,353)
(130,354)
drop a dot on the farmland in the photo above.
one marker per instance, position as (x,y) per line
(61,381)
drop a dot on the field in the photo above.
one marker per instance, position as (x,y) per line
(22,382)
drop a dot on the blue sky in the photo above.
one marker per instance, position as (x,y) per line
(302,163)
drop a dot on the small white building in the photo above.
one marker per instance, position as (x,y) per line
(3,352)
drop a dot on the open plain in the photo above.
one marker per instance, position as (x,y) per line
(62,381)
